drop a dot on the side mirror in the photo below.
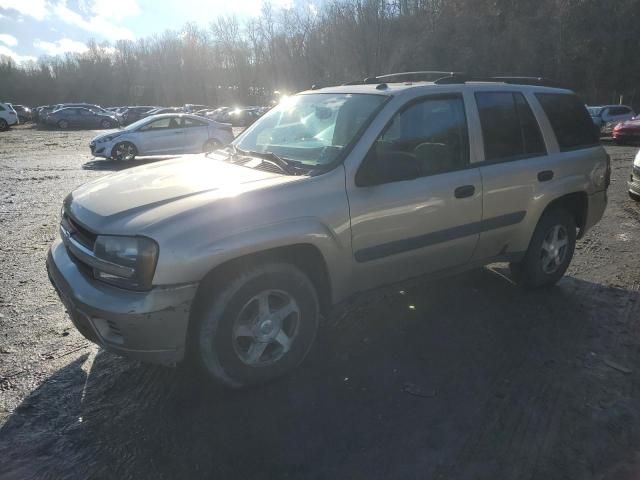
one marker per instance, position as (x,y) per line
(387,167)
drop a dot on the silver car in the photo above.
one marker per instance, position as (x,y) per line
(233,256)
(162,135)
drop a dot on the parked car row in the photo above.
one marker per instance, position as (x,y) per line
(619,121)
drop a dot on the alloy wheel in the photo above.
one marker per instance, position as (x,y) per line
(125,151)
(266,328)
(554,249)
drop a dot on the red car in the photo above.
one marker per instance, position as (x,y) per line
(627,132)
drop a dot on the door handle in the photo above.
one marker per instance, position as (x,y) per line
(464,191)
(545,175)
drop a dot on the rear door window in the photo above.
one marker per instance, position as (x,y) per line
(509,129)
(191,122)
(570,120)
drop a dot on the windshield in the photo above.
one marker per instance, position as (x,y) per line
(311,128)
(594,111)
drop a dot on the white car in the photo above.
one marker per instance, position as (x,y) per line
(8,116)
(162,135)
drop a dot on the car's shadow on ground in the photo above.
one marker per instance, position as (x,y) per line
(471,377)
(116,165)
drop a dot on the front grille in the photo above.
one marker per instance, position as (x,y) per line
(84,236)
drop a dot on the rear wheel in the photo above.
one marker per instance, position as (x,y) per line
(259,326)
(3,125)
(550,251)
(63,124)
(124,151)
(211,145)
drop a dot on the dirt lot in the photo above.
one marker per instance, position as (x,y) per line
(470,378)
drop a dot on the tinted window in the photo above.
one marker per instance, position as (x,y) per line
(531,135)
(509,128)
(618,111)
(569,119)
(433,133)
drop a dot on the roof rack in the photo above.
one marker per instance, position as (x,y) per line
(463,78)
(419,76)
(451,78)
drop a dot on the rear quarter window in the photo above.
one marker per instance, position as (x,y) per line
(570,120)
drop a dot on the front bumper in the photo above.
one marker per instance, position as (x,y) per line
(148,326)
(634,184)
(99,149)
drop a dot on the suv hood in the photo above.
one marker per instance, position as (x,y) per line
(159,190)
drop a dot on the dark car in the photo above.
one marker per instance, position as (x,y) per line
(79,117)
(24,113)
(133,114)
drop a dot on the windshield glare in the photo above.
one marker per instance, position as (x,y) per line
(311,128)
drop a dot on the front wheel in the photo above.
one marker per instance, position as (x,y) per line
(634,196)
(124,151)
(550,251)
(63,124)
(259,326)
(4,125)
(106,124)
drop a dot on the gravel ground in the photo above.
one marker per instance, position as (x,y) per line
(411,383)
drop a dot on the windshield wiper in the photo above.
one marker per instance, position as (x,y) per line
(287,166)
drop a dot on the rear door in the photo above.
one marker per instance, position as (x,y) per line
(196,134)
(515,162)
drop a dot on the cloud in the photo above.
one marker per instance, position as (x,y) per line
(9,40)
(99,22)
(16,58)
(115,9)
(37,9)
(61,46)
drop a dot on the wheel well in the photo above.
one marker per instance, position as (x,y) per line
(577,204)
(304,256)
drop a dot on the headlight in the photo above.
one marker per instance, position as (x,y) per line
(130,261)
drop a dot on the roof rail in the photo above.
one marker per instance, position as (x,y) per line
(419,76)
(463,78)
(450,78)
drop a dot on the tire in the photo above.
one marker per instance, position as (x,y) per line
(3,125)
(63,124)
(542,267)
(124,151)
(106,124)
(634,196)
(235,347)
(211,145)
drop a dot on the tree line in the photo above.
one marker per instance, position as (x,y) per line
(589,45)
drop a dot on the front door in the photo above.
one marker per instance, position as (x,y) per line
(403,226)
(162,136)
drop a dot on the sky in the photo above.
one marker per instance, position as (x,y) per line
(32,28)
